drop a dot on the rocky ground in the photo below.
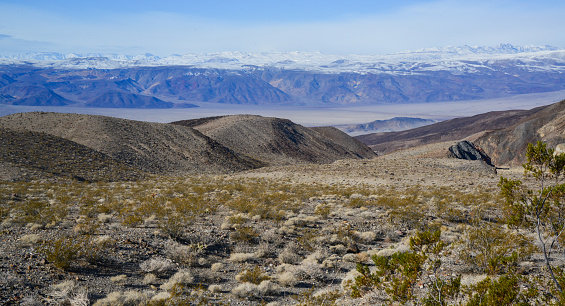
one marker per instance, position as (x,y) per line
(277,235)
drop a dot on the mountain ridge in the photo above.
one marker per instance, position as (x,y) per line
(151,147)
(381,126)
(292,78)
(276,141)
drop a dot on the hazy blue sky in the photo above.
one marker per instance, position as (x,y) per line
(167,27)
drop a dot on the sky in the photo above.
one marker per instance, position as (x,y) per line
(167,27)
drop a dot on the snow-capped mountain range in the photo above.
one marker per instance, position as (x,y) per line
(148,81)
(458,60)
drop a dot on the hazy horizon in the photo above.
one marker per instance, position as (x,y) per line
(331,27)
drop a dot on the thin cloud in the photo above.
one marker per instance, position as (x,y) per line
(412,27)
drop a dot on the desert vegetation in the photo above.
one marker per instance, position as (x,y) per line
(405,228)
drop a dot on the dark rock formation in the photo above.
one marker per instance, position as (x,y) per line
(469,151)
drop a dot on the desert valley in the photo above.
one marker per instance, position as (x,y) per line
(251,210)
(431,177)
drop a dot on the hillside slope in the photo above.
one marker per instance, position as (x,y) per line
(381,126)
(152,147)
(279,141)
(31,155)
(454,129)
(508,145)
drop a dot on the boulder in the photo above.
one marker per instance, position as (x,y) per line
(469,151)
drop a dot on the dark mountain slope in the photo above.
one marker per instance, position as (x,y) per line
(279,141)
(117,99)
(454,129)
(152,147)
(31,95)
(31,155)
(508,145)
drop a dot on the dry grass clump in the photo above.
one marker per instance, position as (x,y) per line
(30,239)
(215,288)
(150,278)
(118,279)
(130,297)
(253,291)
(69,292)
(182,277)
(218,267)
(158,266)
(287,279)
(185,254)
(242,257)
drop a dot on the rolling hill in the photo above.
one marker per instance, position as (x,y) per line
(279,141)
(32,155)
(151,147)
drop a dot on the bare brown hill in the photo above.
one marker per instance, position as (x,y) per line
(29,155)
(152,147)
(508,145)
(454,129)
(279,141)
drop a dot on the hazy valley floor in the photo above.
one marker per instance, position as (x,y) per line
(319,115)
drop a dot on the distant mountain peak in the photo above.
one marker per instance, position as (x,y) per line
(440,58)
(499,49)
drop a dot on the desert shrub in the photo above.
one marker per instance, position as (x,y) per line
(217,267)
(118,278)
(287,279)
(254,276)
(244,234)
(150,278)
(502,291)
(322,210)
(307,239)
(67,251)
(491,249)
(540,205)
(246,290)
(289,255)
(38,211)
(30,239)
(398,274)
(215,288)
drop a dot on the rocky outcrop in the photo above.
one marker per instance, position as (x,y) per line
(469,151)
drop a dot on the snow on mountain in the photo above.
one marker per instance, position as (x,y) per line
(458,60)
